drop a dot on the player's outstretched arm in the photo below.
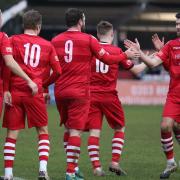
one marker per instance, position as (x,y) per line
(136,69)
(158,44)
(151,61)
(15,68)
(107,58)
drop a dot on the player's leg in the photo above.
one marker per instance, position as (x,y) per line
(176,127)
(63,112)
(117,147)
(37,117)
(43,150)
(94,125)
(62,106)
(77,116)
(13,120)
(167,145)
(9,153)
(170,113)
(115,116)
(73,152)
(93,150)
(176,130)
(1,102)
(65,138)
(65,142)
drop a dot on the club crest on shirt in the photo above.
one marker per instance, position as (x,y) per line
(8,49)
(56,58)
(102,52)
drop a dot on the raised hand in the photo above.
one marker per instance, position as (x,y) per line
(132,53)
(133,45)
(158,44)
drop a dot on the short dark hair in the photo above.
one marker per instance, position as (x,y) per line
(178,15)
(31,19)
(104,27)
(72,16)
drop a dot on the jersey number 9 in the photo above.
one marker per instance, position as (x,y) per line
(68,51)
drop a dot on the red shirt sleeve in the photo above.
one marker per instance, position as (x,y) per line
(126,64)
(104,56)
(6,48)
(163,54)
(54,64)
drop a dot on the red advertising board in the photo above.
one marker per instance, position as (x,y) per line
(142,92)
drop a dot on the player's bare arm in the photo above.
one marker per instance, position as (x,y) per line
(136,69)
(11,63)
(151,61)
(104,56)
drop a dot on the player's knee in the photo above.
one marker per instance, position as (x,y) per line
(12,134)
(119,129)
(95,132)
(42,130)
(74,132)
(166,125)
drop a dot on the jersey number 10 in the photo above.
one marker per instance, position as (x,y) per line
(101,67)
(34,52)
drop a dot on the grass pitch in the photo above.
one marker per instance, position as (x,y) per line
(142,156)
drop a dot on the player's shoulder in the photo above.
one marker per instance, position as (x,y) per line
(92,37)
(19,37)
(3,34)
(61,36)
(44,41)
(172,42)
(112,48)
(16,36)
(87,35)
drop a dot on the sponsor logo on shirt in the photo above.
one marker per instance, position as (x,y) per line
(177,56)
(176,47)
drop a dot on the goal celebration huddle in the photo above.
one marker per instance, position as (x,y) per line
(85,72)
